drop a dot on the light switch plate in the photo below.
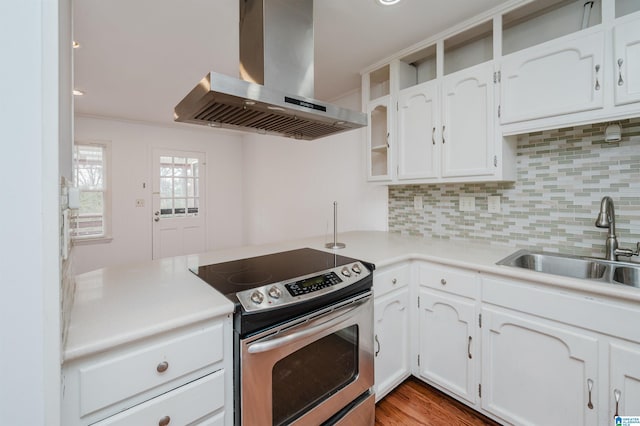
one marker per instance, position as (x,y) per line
(467,204)
(493,203)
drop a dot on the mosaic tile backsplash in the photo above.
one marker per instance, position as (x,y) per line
(561,177)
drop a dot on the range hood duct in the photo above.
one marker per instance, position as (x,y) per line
(275,95)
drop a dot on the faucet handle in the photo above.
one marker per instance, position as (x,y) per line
(628,252)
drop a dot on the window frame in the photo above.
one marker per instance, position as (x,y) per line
(106,236)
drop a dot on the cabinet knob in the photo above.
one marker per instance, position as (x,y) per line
(443,281)
(162,367)
(394,281)
(164,421)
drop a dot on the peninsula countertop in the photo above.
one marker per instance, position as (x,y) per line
(117,305)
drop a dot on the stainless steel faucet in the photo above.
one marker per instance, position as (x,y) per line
(607,219)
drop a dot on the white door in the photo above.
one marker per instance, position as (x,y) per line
(536,371)
(561,77)
(418,132)
(468,121)
(447,342)
(391,340)
(627,62)
(178,203)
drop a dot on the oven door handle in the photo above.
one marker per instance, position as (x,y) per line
(337,317)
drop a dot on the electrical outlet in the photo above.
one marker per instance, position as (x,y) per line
(493,203)
(467,204)
(417,202)
(140,202)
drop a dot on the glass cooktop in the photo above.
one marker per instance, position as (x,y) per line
(238,275)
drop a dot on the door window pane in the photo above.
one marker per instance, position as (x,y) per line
(179,180)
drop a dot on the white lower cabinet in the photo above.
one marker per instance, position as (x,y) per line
(391,340)
(180,377)
(391,329)
(447,342)
(624,381)
(520,352)
(537,372)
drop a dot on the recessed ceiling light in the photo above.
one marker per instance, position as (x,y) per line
(77,92)
(75,44)
(387,2)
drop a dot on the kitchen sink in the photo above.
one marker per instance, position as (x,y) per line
(627,275)
(575,267)
(557,265)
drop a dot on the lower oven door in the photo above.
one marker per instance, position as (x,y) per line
(306,371)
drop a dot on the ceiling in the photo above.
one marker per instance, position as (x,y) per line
(138,58)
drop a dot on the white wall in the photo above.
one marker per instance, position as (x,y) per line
(29,256)
(290,186)
(132,146)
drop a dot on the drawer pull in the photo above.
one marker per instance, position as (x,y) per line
(377,343)
(590,388)
(469,349)
(162,367)
(394,281)
(616,395)
(443,281)
(164,421)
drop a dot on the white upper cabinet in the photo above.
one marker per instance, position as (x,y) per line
(626,39)
(467,122)
(442,114)
(378,103)
(448,109)
(418,129)
(559,77)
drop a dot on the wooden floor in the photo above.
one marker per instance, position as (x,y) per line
(414,403)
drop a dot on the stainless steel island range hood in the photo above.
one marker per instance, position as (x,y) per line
(275,95)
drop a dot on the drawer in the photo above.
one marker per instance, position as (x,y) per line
(391,278)
(452,280)
(114,379)
(182,406)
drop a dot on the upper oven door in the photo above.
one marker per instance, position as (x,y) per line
(307,372)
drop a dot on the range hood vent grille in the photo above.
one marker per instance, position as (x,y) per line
(221,115)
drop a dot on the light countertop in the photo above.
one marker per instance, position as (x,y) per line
(117,305)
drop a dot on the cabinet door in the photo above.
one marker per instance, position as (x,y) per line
(627,62)
(537,372)
(556,78)
(391,340)
(468,122)
(418,130)
(624,392)
(379,139)
(447,341)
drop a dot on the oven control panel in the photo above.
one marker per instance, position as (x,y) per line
(284,293)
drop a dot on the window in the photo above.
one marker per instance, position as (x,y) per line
(91,177)
(179,186)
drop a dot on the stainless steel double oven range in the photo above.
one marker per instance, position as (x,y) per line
(303,337)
